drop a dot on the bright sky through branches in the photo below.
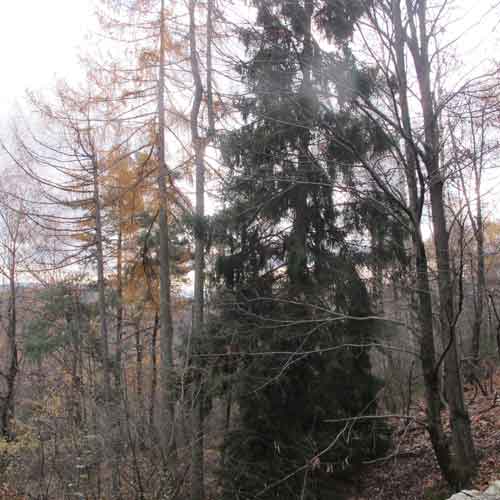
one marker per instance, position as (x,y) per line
(40,41)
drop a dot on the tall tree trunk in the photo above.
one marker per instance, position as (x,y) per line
(84,402)
(139,383)
(166,323)
(117,364)
(496,312)
(154,377)
(423,302)
(197,390)
(463,444)
(108,394)
(480,279)
(75,402)
(8,405)
(430,368)
(95,471)
(476,221)
(119,307)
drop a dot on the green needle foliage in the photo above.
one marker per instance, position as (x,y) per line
(294,305)
(61,320)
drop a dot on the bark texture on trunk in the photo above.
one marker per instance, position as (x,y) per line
(154,377)
(119,308)
(423,302)
(167,430)
(139,383)
(477,223)
(464,462)
(481,287)
(7,400)
(197,390)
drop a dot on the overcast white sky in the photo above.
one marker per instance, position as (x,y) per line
(38,41)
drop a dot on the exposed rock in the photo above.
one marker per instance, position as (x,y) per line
(492,493)
(465,495)
(494,489)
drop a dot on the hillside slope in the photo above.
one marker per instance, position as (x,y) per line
(410,472)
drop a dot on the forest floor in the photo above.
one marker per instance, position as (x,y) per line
(411,471)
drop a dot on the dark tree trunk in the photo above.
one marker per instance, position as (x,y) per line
(139,384)
(463,444)
(154,377)
(8,399)
(197,389)
(166,326)
(423,303)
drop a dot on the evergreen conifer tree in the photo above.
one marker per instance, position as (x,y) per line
(294,300)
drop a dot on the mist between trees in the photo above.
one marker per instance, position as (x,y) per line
(244,245)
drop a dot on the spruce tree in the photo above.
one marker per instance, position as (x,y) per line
(294,301)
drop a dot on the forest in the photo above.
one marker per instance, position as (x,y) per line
(252,251)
